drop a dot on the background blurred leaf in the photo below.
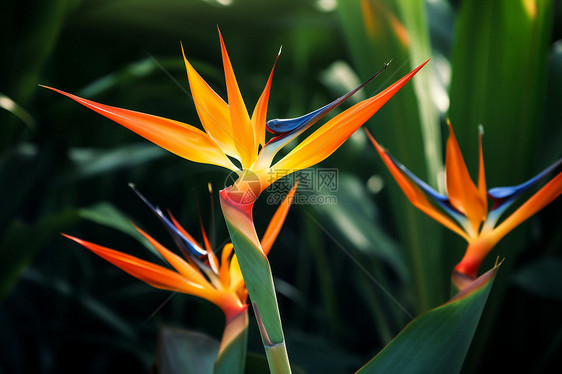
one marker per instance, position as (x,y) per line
(413,15)
(106,214)
(12,107)
(91,162)
(326,358)
(356,219)
(20,243)
(493,77)
(376,31)
(29,32)
(17,187)
(185,352)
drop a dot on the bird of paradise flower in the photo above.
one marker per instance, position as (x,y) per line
(464,210)
(200,274)
(236,141)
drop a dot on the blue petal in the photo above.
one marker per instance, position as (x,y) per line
(442,200)
(503,195)
(284,127)
(187,246)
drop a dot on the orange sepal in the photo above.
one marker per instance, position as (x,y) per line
(415,194)
(479,249)
(462,192)
(155,275)
(183,267)
(179,138)
(324,141)
(260,111)
(224,270)
(243,131)
(212,110)
(277,221)
(483,192)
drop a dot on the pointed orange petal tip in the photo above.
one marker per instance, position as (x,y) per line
(244,136)
(259,116)
(463,194)
(79,241)
(374,141)
(179,138)
(277,221)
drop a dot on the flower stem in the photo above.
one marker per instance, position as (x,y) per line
(278,359)
(259,281)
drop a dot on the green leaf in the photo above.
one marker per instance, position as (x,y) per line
(22,241)
(376,32)
(185,352)
(437,341)
(18,111)
(93,162)
(16,187)
(413,15)
(500,85)
(107,215)
(27,30)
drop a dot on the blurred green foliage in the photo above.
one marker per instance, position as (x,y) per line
(65,311)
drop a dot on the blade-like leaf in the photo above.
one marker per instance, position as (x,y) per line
(437,341)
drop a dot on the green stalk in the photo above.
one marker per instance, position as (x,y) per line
(258,278)
(278,359)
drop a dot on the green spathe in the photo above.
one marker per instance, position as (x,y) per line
(232,358)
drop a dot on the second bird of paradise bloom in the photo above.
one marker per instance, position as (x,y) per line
(237,141)
(201,274)
(464,209)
